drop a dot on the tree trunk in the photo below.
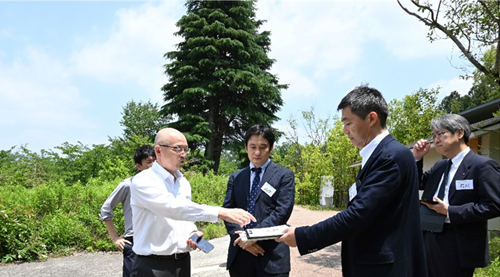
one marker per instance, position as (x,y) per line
(214,146)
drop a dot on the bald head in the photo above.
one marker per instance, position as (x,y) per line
(165,140)
(166,135)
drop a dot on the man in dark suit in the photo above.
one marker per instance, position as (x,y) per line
(267,190)
(380,228)
(470,196)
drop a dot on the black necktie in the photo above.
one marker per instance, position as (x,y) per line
(253,192)
(445,180)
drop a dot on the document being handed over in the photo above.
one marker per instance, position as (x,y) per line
(263,233)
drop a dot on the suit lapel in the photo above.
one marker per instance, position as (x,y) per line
(245,182)
(435,181)
(270,171)
(374,156)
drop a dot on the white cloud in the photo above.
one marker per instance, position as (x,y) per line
(447,86)
(134,50)
(38,100)
(312,35)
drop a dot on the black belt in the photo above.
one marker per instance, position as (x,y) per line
(447,226)
(173,256)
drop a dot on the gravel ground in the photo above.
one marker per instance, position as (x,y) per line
(322,263)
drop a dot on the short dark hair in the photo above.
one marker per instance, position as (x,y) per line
(143,152)
(260,130)
(452,123)
(362,100)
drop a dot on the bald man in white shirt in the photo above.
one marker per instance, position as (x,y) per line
(164,215)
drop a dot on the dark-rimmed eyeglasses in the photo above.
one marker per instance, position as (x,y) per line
(439,134)
(177,149)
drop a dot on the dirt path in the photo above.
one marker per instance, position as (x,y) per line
(325,262)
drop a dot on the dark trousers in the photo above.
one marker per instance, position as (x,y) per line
(161,266)
(128,257)
(442,256)
(247,265)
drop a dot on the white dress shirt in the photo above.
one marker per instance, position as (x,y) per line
(252,173)
(456,161)
(163,213)
(367,151)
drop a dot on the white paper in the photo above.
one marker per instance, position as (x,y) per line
(263,233)
(353,191)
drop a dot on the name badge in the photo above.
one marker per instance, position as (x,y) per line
(464,184)
(268,189)
(353,191)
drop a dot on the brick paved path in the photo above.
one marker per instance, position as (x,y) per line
(325,262)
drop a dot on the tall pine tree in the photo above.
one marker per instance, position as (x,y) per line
(219,80)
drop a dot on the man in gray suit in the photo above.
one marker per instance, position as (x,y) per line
(267,191)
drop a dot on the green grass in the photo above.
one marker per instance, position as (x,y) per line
(493,270)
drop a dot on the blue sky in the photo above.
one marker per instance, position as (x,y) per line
(68,68)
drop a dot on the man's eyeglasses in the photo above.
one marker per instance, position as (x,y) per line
(176,149)
(438,135)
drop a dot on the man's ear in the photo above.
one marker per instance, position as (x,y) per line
(460,133)
(373,117)
(139,166)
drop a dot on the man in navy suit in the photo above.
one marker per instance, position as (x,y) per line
(270,201)
(380,228)
(470,196)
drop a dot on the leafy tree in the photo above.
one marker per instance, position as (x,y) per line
(20,166)
(220,84)
(329,153)
(472,25)
(142,119)
(409,118)
(483,90)
(455,103)
(79,163)
(344,156)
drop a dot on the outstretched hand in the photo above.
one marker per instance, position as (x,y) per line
(237,216)
(288,238)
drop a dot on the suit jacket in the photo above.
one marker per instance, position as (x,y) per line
(474,197)
(269,211)
(380,228)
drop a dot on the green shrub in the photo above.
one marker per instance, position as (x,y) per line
(493,269)
(209,189)
(18,239)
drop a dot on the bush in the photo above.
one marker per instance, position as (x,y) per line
(209,189)
(18,239)
(494,268)
(55,218)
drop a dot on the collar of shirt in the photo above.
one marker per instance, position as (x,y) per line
(164,174)
(252,173)
(264,166)
(457,160)
(367,151)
